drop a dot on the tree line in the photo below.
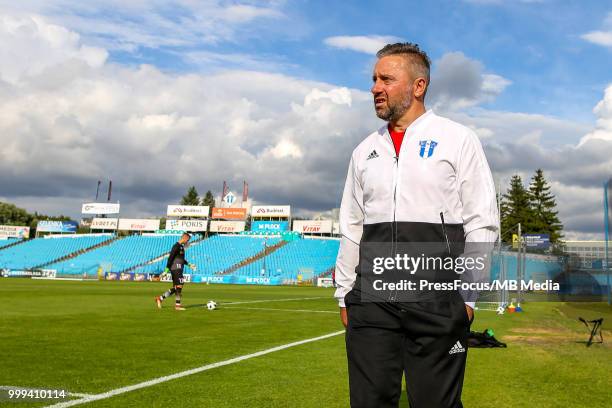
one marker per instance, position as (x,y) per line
(534,207)
(193,198)
(10,214)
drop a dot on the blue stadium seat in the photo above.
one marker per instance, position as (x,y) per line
(148,254)
(119,255)
(217,253)
(38,251)
(307,257)
(7,242)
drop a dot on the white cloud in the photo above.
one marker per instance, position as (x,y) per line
(603,111)
(340,96)
(70,122)
(121,25)
(494,85)
(459,82)
(207,61)
(30,44)
(508,127)
(368,44)
(155,133)
(286,148)
(601,37)
(243,13)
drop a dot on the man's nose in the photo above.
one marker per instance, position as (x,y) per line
(376,87)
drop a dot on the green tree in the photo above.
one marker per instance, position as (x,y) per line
(10,214)
(191,198)
(515,209)
(209,199)
(13,215)
(545,217)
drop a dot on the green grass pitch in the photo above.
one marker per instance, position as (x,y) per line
(93,337)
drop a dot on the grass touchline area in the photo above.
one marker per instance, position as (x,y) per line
(92,337)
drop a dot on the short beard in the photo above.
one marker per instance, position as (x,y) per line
(395,112)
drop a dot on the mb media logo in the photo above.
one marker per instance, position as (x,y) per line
(372,155)
(457,348)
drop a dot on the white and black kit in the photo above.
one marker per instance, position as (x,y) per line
(439,188)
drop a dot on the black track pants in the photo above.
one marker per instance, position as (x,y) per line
(426,340)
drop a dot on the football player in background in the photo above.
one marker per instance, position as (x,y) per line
(176,265)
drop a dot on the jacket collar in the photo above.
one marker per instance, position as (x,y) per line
(384,130)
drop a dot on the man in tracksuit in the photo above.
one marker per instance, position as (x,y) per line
(419,178)
(175,265)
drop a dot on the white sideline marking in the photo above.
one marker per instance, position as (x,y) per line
(186,373)
(273,300)
(284,310)
(16,387)
(78,394)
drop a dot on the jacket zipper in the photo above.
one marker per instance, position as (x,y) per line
(444,232)
(392,296)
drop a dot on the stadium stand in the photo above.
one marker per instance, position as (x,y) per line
(119,255)
(307,257)
(216,254)
(226,255)
(40,251)
(7,242)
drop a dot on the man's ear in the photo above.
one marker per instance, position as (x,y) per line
(419,87)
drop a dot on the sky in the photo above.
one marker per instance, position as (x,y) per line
(160,95)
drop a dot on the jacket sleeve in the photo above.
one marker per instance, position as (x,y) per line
(173,253)
(483,240)
(479,203)
(476,188)
(351,229)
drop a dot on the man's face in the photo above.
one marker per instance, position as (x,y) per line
(184,239)
(392,87)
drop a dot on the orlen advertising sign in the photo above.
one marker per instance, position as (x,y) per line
(227,226)
(229,213)
(13,231)
(313,226)
(104,223)
(57,226)
(127,224)
(271,211)
(187,225)
(188,210)
(100,208)
(270,226)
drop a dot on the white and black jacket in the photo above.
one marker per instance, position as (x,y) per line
(441,168)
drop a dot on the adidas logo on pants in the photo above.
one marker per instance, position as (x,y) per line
(457,348)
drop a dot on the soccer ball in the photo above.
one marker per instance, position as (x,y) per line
(211,305)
